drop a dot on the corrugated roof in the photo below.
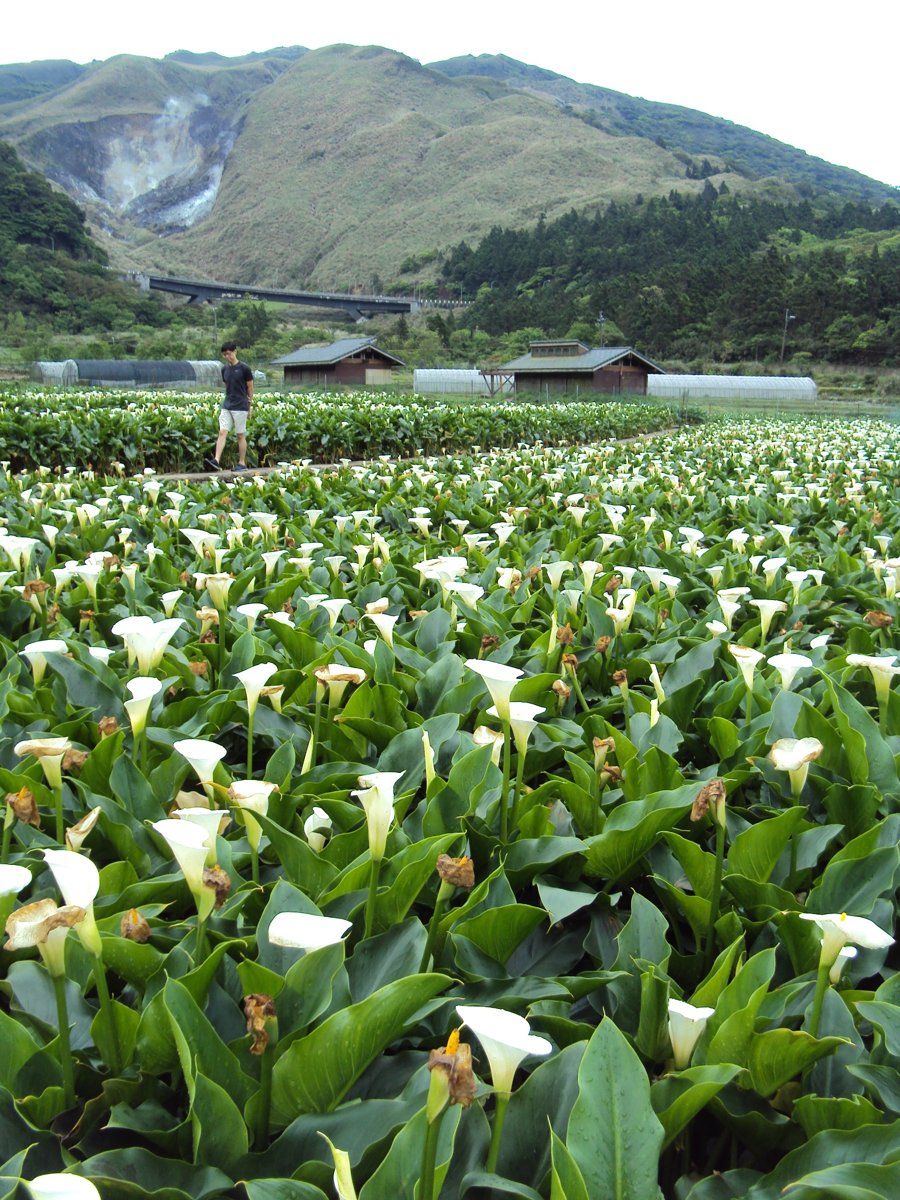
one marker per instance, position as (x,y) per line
(327,355)
(588,362)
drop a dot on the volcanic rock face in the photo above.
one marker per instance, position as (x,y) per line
(161,172)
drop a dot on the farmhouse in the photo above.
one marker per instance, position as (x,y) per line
(348,361)
(571,367)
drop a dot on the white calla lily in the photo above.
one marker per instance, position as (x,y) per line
(62,1186)
(377,798)
(499,679)
(306,931)
(686,1026)
(202,756)
(506,1039)
(79,882)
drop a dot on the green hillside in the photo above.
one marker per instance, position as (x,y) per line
(753,154)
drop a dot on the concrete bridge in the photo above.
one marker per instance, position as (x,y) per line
(357,307)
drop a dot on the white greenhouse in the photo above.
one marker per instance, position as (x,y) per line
(446,381)
(732,387)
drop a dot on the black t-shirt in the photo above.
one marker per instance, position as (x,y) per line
(236,379)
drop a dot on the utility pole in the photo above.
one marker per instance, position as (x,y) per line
(601,321)
(788,316)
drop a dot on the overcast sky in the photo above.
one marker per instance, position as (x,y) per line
(818,74)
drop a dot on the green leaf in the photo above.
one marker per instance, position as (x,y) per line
(566,1180)
(316,1071)
(400,1170)
(755,852)
(816,1113)
(499,931)
(677,1098)
(632,829)
(779,1054)
(200,1049)
(618,1156)
(848,1181)
(281,1189)
(220,1135)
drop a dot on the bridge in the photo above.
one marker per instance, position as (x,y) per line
(357,307)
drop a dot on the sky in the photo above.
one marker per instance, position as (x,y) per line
(817,74)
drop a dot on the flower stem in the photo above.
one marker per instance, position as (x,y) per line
(9,819)
(264,1107)
(200,941)
(60,824)
(374,872)
(517,789)
(250,744)
(65,1045)
(499,1115)
(504,790)
(440,904)
(819,998)
(254,864)
(109,1015)
(715,895)
(429,1159)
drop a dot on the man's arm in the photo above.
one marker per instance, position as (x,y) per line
(249,391)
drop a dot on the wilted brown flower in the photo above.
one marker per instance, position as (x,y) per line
(208,638)
(602,747)
(414,613)
(565,636)
(602,643)
(199,667)
(878,620)
(217,879)
(107,726)
(877,519)
(562,689)
(663,614)
(76,833)
(570,663)
(259,1009)
(531,573)
(610,774)
(489,642)
(620,678)
(712,793)
(289,608)
(135,926)
(24,806)
(74,759)
(110,561)
(34,587)
(86,614)
(460,872)
(455,1062)
(612,583)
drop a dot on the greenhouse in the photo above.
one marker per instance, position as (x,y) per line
(731,387)
(129,373)
(445,381)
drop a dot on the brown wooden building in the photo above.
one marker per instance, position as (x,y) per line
(347,361)
(570,367)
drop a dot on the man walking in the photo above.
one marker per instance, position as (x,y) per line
(235,411)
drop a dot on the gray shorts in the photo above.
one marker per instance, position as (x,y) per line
(233,419)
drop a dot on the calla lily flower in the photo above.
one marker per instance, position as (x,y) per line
(317,828)
(384,623)
(845,954)
(254,680)
(377,798)
(37,652)
(686,1026)
(50,752)
(555,572)
(142,689)
(62,1187)
(767,610)
(794,756)
(499,679)
(335,676)
(882,668)
(44,925)
(747,660)
(76,834)
(203,757)
(146,640)
(252,796)
(13,879)
(839,930)
(522,720)
(788,665)
(18,549)
(485,736)
(506,1039)
(306,931)
(188,844)
(79,881)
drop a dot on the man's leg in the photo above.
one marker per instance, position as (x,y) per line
(242,449)
(220,443)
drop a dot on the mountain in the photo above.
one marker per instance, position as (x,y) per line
(750,153)
(347,166)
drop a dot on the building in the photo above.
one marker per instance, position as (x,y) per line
(347,361)
(571,368)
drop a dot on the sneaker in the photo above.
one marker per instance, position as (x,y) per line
(211,464)
(241,467)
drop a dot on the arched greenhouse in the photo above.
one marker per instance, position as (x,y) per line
(448,381)
(732,387)
(136,373)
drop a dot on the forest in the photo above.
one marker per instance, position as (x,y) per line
(715,276)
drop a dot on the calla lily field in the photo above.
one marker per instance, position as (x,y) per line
(515,822)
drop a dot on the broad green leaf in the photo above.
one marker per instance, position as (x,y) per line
(848,1181)
(817,1113)
(778,1055)
(618,1156)
(755,852)
(220,1135)
(500,930)
(678,1097)
(314,1074)
(400,1171)
(566,1179)
(632,829)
